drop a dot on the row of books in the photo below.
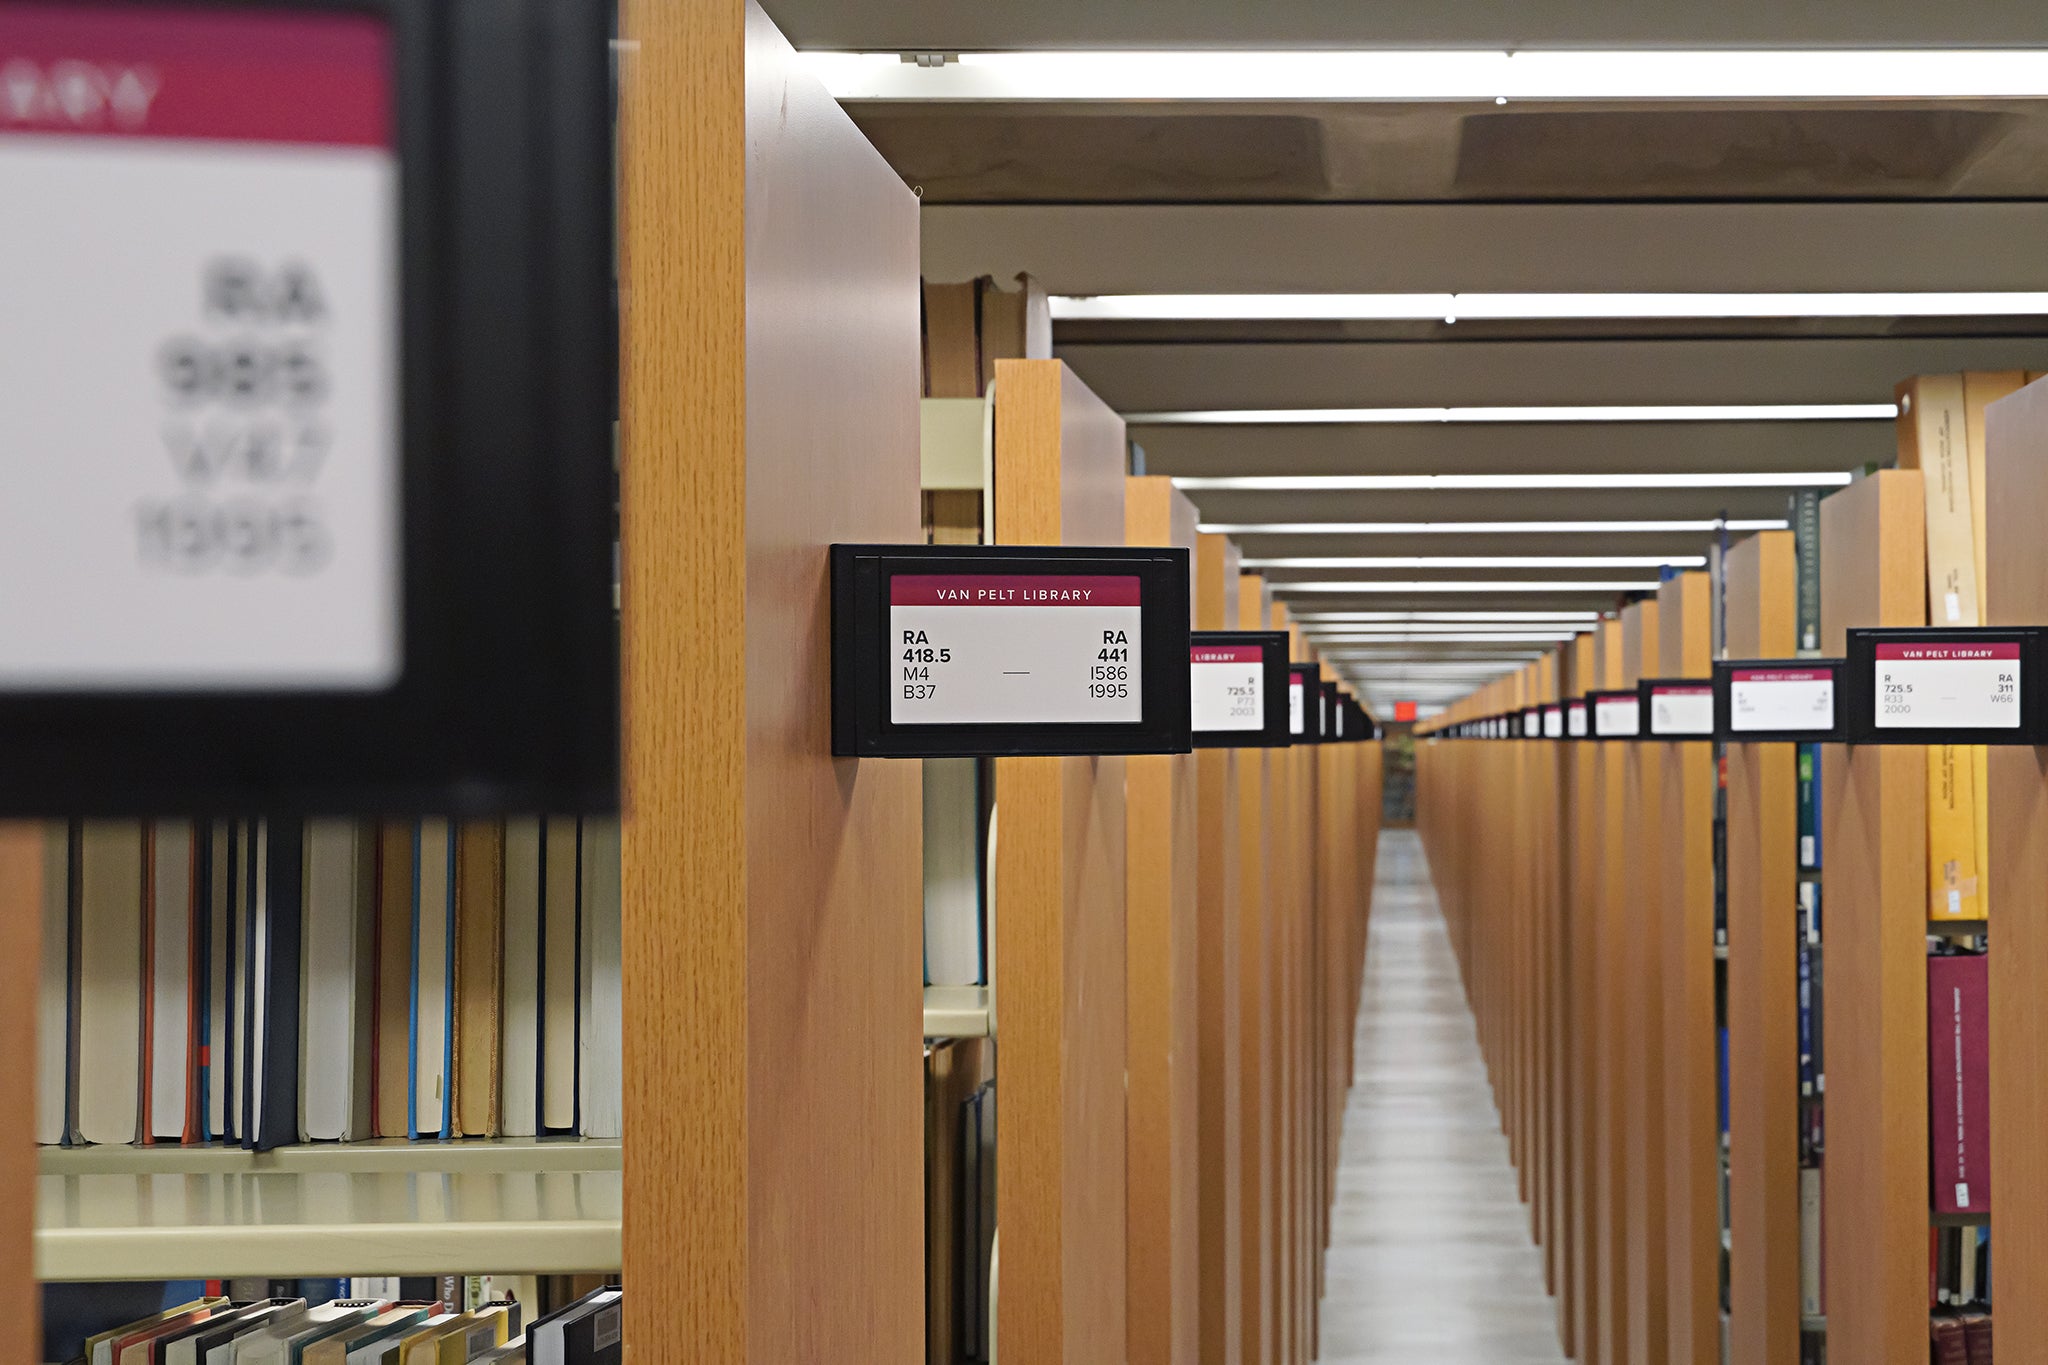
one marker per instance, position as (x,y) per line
(1961,1338)
(267,982)
(960,1201)
(218,1330)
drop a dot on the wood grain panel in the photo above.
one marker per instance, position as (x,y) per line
(1162,1128)
(1763,1041)
(1258,835)
(2016,559)
(1690,1059)
(1874,831)
(1293,872)
(1609,897)
(771,936)
(1577,1302)
(1060,887)
(1639,926)
(1219,1099)
(21,912)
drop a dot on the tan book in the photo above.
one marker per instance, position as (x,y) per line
(53,1009)
(110,976)
(479,945)
(1952,867)
(394,976)
(519,1006)
(426,1347)
(561,987)
(1933,438)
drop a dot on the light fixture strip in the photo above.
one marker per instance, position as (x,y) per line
(1438,483)
(1465,528)
(1366,586)
(1478,562)
(1319,619)
(1617,307)
(1717,412)
(1448,638)
(1438,75)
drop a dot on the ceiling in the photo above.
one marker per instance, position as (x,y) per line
(1119,198)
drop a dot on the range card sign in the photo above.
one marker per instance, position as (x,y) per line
(1034,650)
(1790,698)
(199,368)
(1228,683)
(1950,685)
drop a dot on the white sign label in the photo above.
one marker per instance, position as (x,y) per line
(1687,710)
(1617,717)
(1948,686)
(1014,649)
(199,361)
(1297,712)
(1553,722)
(1229,683)
(1779,699)
(1575,720)
(1532,724)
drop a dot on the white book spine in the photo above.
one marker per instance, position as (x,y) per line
(216,968)
(170,1061)
(53,1028)
(110,983)
(432,924)
(519,1020)
(601,1074)
(327,976)
(258,955)
(560,989)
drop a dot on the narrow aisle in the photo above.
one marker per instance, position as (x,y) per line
(1430,1256)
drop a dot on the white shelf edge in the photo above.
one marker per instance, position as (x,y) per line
(956,1012)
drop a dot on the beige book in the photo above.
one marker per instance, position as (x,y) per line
(1933,438)
(53,1006)
(334,1349)
(479,941)
(424,1348)
(560,986)
(1952,867)
(110,969)
(394,976)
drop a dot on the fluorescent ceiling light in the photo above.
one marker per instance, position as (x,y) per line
(1395,483)
(1479,562)
(1540,307)
(1471,528)
(1695,412)
(1348,630)
(1315,620)
(1363,586)
(1437,76)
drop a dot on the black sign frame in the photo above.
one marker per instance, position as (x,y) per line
(1275,682)
(1857,695)
(861,661)
(1310,678)
(508,696)
(1599,694)
(1647,689)
(1724,716)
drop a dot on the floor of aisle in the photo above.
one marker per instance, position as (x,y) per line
(1430,1256)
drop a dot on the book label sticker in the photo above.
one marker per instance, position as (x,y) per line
(1948,686)
(1777,699)
(1617,717)
(201,356)
(1014,649)
(1553,722)
(1682,709)
(1575,720)
(1229,687)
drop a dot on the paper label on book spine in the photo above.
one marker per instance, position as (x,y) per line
(604,1330)
(199,371)
(1779,699)
(1948,686)
(1229,687)
(1013,649)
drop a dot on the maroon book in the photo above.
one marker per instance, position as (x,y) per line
(1977,1336)
(1959,1083)
(1950,1347)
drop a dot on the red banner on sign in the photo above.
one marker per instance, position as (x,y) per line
(1013,590)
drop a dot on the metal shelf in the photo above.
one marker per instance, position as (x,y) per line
(956,1012)
(380,1208)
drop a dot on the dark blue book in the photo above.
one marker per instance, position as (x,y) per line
(275,972)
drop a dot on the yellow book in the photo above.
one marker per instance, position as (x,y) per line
(1933,438)
(1951,836)
(424,1346)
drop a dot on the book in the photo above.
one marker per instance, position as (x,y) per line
(519,1037)
(338,973)
(275,971)
(1933,438)
(953,954)
(392,1046)
(1950,1345)
(1958,1081)
(600,1069)
(168,1022)
(217,859)
(217,1346)
(1809,805)
(142,1346)
(53,1003)
(585,1332)
(1803,512)
(109,991)
(1952,871)
(391,1350)
(189,1345)
(105,1348)
(479,949)
(275,1342)
(1977,1337)
(433,978)
(1803,953)
(1810,1304)
(561,975)
(381,1326)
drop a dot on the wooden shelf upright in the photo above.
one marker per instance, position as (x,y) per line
(1684,934)
(1637,925)
(1259,775)
(1610,915)
(1162,1125)
(1874,837)
(768,979)
(2016,593)
(1219,897)
(1763,1025)
(1059,880)
(1578,1248)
